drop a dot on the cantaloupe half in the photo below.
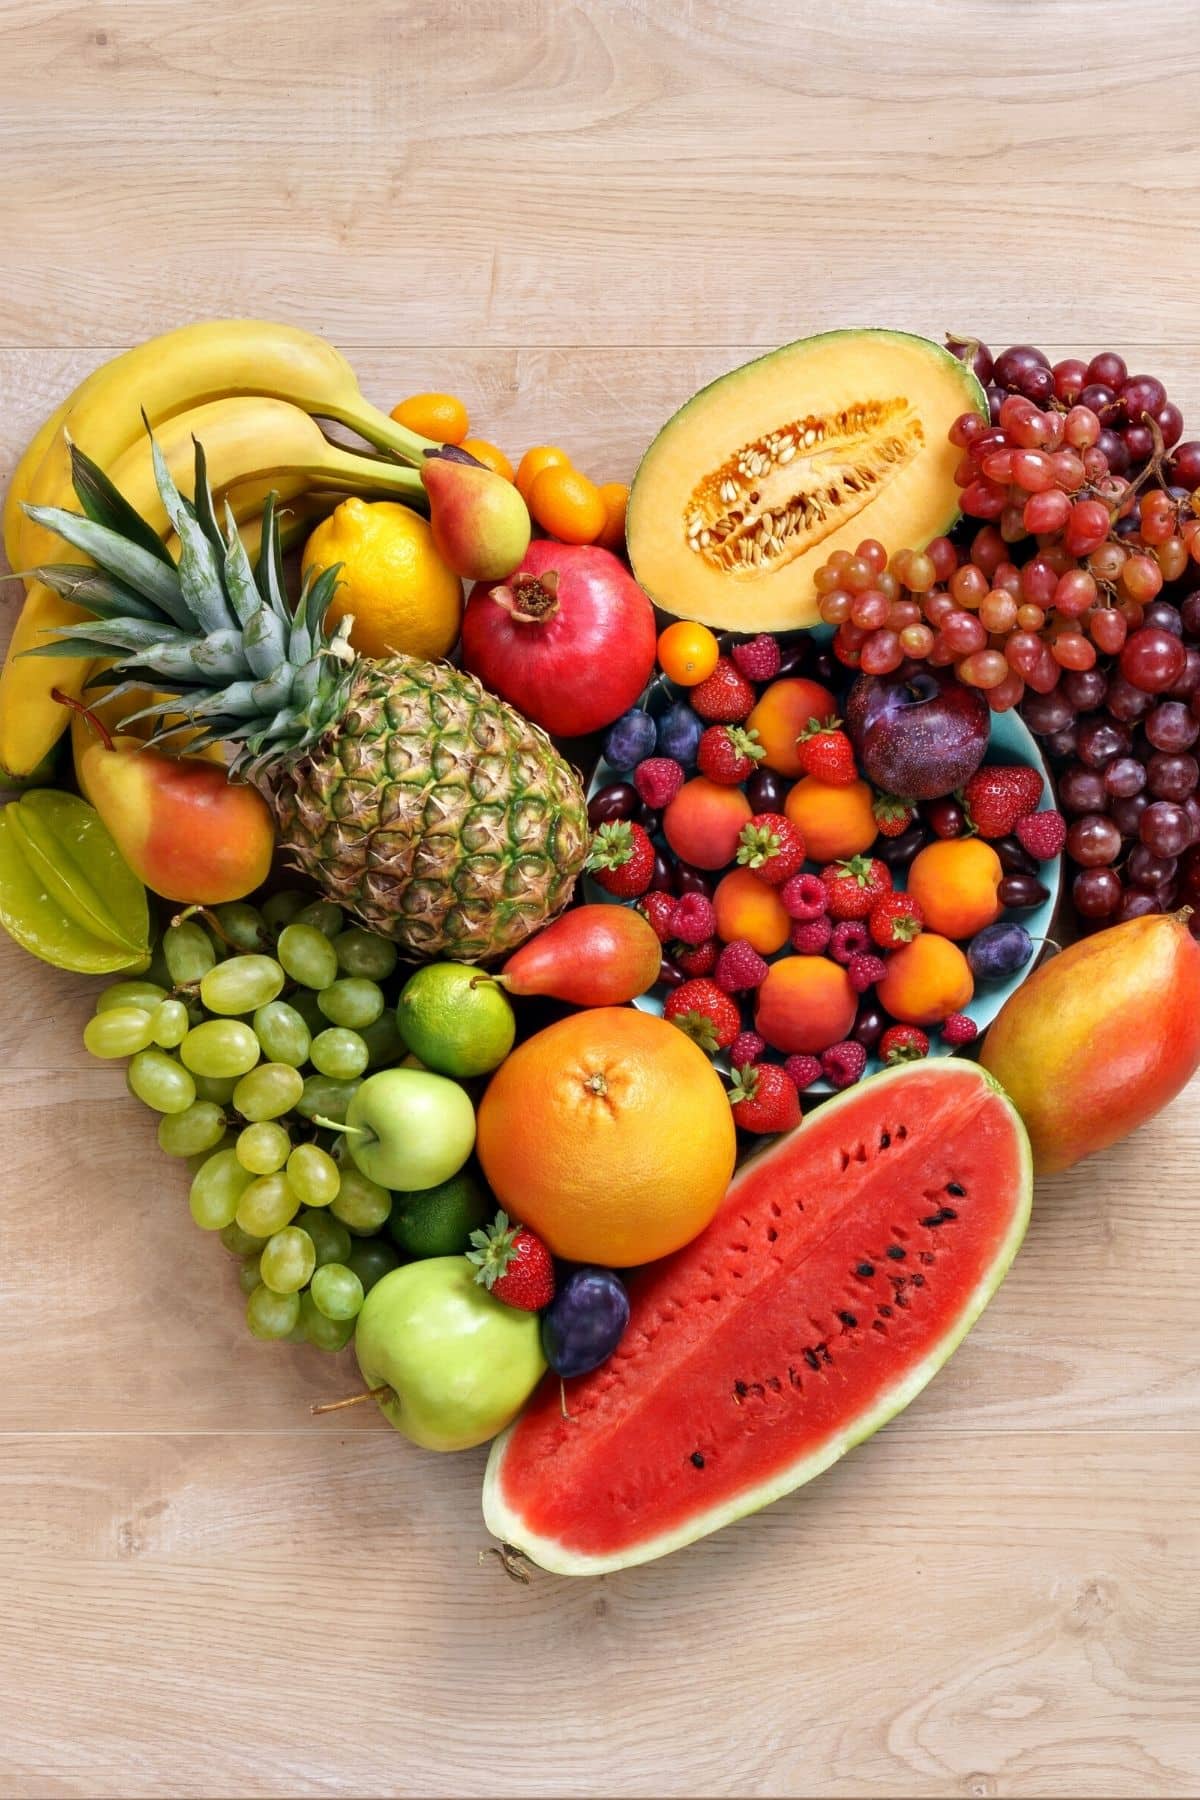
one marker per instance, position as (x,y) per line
(752,484)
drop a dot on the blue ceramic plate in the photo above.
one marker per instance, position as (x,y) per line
(1011,742)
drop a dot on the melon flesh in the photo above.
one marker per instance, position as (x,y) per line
(847,1261)
(762,475)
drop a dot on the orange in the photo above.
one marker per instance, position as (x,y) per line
(954,882)
(439,416)
(805,1004)
(615,495)
(833,821)
(687,653)
(748,908)
(926,981)
(610,1135)
(490,455)
(566,504)
(535,459)
(783,711)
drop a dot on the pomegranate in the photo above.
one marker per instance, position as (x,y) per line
(569,639)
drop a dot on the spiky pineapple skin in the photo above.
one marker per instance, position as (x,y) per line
(434,812)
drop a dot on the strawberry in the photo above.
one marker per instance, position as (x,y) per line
(896,919)
(694,919)
(804,897)
(764,1099)
(957,1030)
(802,1070)
(659,909)
(728,753)
(513,1265)
(864,971)
(902,1043)
(843,1064)
(997,796)
(739,967)
(746,1047)
(826,752)
(772,847)
(810,937)
(621,859)
(696,959)
(725,697)
(706,1015)
(658,779)
(848,939)
(760,659)
(892,816)
(1043,834)
(853,886)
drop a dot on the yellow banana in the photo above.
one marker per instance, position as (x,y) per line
(245,439)
(173,374)
(23,477)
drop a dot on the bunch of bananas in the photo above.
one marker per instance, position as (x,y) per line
(250,392)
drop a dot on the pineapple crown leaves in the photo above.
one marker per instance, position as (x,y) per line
(494,1248)
(216,632)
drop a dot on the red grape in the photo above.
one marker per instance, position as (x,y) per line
(1126,813)
(1082,790)
(1172,777)
(1123,776)
(1085,688)
(1096,893)
(1107,367)
(1165,828)
(1094,841)
(1184,464)
(1070,376)
(1141,394)
(1171,727)
(1152,659)
(1147,870)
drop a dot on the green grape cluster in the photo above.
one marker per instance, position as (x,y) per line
(250,1024)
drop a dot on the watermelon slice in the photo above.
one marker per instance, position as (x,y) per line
(847,1261)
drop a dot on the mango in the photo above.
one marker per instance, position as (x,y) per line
(479,521)
(1100,1038)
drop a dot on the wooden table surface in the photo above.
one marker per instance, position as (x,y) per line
(573,215)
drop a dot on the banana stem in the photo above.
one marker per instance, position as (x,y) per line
(385,433)
(353,474)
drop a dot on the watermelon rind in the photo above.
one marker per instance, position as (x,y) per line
(560,1559)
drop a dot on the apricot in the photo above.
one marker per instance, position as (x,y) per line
(782,713)
(834,822)
(703,822)
(926,981)
(805,1004)
(955,883)
(748,908)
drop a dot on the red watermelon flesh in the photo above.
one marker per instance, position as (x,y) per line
(847,1261)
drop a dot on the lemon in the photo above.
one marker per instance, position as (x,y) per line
(403,596)
(456,1019)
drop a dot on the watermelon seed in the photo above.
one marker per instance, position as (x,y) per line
(886,1312)
(885,1138)
(901,1133)
(848,1320)
(896,1253)
(928,1258)
(918,1281)
(811,1358)
(866,1270)
(793,1377)
(697,1460)
(772,1234)
(740,1391)
(955,1188)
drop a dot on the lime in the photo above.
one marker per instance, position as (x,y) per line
(456,1019)
(439,1221)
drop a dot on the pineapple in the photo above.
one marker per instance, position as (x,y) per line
(414,798)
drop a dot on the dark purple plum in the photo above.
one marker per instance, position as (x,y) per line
(629,739)
(679,733)
(998,951)
(921,737)
(585,1321)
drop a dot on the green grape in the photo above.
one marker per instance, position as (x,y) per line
(326,1097)
(280,909)
(220,1047)
(283,1034)
(304,1000)
(323,916)
(361,1203)
(360,952)
(383,1041)
(241,983)
(372,1259)
(193,1164)
(288,1259)
(248,1275)
(201,1127)
(266,1205)
(159,1082)
(268,1091)
(189,952)
(270,1315)
(323,1333)
(120,1031)
(352,1001)
(337,1291)
(331,1241)
(239,1242)
(218,1088)
(314,1174)
(242,924)
(263,1148)
(217,1188)
(170,1024)
(145,994)
(307,955)
(339,1053)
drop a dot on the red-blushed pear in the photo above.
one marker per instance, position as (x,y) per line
(479,521)
(591,956)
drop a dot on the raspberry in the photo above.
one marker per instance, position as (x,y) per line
(758,660)
(696,959)
(659,909)
(739,967)
(864,971)
(958,1029)
(843,1064)
(848,939)
(810,936)
(1043,834)
(746,1048)
(804,897)
(658,779)
(804,1070)
(693,919)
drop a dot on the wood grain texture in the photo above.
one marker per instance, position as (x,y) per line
(574,216)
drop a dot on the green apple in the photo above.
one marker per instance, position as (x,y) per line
(410,1129)
(457,1364)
